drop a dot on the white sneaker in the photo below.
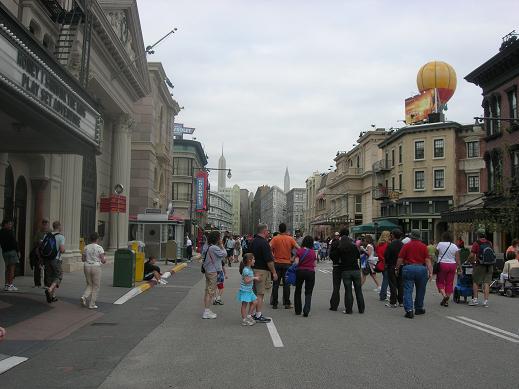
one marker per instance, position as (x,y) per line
(250,320)
(163,282)
(473,302)
(391,305)
(485,303)
(83,301)
(377,290)
(12,288)
(209,315)
(93,307)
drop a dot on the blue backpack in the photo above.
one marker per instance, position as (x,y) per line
(486,254)
(49,247)
(290,275)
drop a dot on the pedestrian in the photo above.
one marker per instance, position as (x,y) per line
(511,263)
(335,299)
(10,253)
(348,257)
(220,285)
(229,247)
(35,258)
(514,247)
(417,269)
(264,269)
(317,247)
(448,264)
(93,257)
(383,242)
(482,273)
(189,248)
(245,294)
(212,265)
(305,274)
(433,251)
(152,271)
(237,249)
(282,246)
(51,249)
(396,286)
(370,263)
(323,252)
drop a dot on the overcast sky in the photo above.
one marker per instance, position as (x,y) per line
(290,82)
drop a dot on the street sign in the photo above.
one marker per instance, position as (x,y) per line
(113,204)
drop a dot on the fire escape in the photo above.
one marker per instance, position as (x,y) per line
(72,48)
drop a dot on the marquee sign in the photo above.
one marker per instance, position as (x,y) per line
(24,72)
(179,129)
(201,181)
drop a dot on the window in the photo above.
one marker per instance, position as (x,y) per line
(473,184)
(439,179)
(512,103)
(387,185)
(358,161)
(419,180)
(182,191)
(358,203)
(493,110)
(514,162)
(393,183)
(386,165)
(495,171)
(400,154)
(439,148)
(182,166)
(473,149)
(419,149)
(400,177)
(392,157)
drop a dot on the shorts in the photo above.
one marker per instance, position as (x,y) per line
(53,272)
(482,274)
(148,276)
(10,257)
(264,283)
(210,284)
(230,252)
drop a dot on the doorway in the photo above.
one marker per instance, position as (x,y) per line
(20,221)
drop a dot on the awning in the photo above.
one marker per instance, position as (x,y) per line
(382,225)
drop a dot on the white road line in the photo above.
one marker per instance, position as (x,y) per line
(10,362)
(276,339)
(513,340)
(326,271)
(489,326)
(131,294)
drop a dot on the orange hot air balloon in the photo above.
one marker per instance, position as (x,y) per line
(437,75)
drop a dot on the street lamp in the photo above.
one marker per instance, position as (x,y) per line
(376,228)
(118,189)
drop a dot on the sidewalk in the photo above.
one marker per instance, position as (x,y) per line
(31,322)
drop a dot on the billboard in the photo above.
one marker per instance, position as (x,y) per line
(418,108)
(201,181)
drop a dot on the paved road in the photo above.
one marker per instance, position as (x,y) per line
(167,345)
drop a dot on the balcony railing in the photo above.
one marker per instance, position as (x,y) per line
(380,193)
(383,165)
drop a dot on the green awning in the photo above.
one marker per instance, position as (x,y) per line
(382,225)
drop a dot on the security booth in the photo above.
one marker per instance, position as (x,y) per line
(160,233)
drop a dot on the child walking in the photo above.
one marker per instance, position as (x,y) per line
(245,295)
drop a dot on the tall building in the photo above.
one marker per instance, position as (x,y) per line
(257,217)
(312,184)
(273,208)
(233,196)
(287,181)
(222,165)
(296,204)
(220,212)
(245,212)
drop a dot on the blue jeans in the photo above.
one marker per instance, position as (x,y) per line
(384,286)
(414,275)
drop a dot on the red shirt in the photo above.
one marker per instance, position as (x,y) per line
(414,253)
(380,250)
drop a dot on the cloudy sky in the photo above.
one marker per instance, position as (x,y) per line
(290,82)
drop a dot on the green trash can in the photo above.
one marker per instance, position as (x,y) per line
(124,268)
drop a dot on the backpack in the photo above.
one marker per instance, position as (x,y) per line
(486,254)
(48,247)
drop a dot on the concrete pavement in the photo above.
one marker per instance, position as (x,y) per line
(328,349)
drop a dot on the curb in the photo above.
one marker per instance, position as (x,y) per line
(177,268)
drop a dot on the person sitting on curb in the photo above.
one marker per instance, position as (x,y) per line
(152,271)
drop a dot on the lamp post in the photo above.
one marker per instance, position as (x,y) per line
(376,228)
(118,190)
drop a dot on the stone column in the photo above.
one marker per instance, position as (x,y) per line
(3,166)
(121,163)
(70,212)
(38,187)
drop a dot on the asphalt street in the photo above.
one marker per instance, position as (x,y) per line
(158,339)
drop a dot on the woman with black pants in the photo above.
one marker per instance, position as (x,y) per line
(305,274)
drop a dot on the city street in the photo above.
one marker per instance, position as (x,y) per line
(159,340)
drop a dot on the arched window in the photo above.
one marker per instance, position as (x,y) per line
(35,29)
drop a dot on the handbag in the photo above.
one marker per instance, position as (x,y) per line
(436,266)
(202,269)
(290,274)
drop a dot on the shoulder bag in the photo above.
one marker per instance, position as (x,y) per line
(290,275)
(436,266)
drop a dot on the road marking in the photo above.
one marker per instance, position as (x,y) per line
(481,327)
(326,271)
(132,293)
(276,339)
(10,362)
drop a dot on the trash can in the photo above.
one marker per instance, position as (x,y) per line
(124,268)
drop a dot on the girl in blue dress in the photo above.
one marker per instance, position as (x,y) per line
(245,295)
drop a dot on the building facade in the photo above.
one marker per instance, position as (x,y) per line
(152,146)
(417,180)
(245,212)
(312,184)
(257,217)
(220,212)
(273,208)
(233,196)
(75,106)
(296,204)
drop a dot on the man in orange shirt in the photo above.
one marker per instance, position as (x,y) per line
(282,246)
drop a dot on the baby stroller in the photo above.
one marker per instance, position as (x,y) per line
(463,286)
(495,285)
(511,285)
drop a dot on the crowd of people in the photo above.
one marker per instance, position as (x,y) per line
(404,262)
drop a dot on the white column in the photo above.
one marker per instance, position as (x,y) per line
(121,164)
(70,211)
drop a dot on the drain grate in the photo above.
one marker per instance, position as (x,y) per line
(104,324)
